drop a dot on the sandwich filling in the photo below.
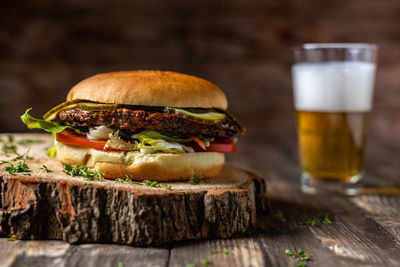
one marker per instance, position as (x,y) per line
(114,127)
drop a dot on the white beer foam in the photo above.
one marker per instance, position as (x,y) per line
(333,86)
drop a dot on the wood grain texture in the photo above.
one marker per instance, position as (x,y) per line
(57,206)
(46,47)
(242,252)
(384,210)
(363,230)
(244,47)
(58,253)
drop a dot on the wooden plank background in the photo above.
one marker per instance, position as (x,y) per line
(244,47)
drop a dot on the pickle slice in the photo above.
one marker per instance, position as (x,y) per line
(208,116)
(77,103)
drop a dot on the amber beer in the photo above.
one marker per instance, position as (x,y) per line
(332,144)
(332,101)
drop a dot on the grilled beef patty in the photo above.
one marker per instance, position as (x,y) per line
(133,120)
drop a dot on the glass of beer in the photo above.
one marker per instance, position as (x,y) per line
(333,88)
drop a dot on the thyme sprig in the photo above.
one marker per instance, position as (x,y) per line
(301,254)
(195,180)
(83,171)
(128,179)
(22,167)
(45,169)
(323,219)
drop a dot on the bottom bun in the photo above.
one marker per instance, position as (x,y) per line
(153,167)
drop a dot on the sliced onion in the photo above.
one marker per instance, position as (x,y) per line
(99,133)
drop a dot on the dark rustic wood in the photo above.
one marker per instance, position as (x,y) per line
(244,47)
(364,229)
(384,209)
(58,253)
(242,252)
(57,206)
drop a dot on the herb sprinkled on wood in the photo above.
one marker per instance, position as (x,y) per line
(195,180)
(81,171)
(45,168)
(206,262)
(22,167)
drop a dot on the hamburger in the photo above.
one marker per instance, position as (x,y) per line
(153,125)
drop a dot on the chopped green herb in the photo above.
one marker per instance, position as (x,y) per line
(302,255)
(195,180)
(11,238)
(215,251)
(8,148)
(147,183)
(29,141)
(206,262)
(324,219)
(10,169)
(18,158)
(98,175)
(120,264)
(119,180)
(289,252)
(81,171)
(190,265)
(150,183)
(128,178)
(86,183)
(20,168)
(299,254)
(166,186)
(70,171)
(301,264)
(226,251)
(304,220)
(44,168)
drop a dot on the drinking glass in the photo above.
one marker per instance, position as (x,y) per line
(333,87)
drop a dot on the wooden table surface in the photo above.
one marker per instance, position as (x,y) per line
(365,229)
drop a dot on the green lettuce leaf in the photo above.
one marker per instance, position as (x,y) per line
(156,135)
(48,126)
(116,142)
(147,142)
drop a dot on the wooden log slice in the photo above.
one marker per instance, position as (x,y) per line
(58,206)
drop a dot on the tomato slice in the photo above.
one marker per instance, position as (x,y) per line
(70,138)
(222,146)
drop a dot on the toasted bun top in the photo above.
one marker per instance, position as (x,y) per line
(150,88)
